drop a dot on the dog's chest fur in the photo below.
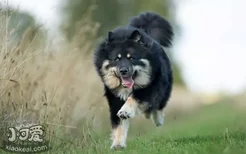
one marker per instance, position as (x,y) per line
(123,93)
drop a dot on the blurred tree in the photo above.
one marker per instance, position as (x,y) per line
(17,24)
(108,13)
(111,13)
(104,12)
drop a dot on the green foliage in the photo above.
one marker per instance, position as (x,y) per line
(109,14)
(104,12)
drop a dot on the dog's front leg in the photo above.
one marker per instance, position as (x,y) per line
(129,109)
(119,135)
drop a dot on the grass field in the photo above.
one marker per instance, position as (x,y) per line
(218,128)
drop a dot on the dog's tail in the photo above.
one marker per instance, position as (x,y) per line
(155,26)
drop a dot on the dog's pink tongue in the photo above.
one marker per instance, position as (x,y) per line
(128,82)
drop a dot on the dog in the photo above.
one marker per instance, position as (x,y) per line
(136,72)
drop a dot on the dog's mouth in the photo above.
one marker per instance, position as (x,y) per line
(128,82)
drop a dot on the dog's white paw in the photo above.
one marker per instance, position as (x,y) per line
(126,111)
(118,147)
(158,118)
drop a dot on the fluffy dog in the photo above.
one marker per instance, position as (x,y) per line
(136,72)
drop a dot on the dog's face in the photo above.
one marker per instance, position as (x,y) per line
(127,64)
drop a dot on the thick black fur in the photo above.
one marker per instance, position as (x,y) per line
(156,32)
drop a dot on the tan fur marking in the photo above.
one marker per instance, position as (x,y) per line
(119,135)
(132,107)
(143,106)
(109,76)
(123,93)
(143,77)
(132,102)
(129,109)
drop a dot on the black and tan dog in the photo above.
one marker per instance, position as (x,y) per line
(136,72)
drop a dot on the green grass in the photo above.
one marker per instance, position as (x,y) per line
(215,129)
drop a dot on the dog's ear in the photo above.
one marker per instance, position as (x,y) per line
(138,38)
(135,36)
(110,36)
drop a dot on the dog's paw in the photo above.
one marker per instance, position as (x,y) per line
(158,118)
(159,122)
(118,147)
(147,115)
(126,112)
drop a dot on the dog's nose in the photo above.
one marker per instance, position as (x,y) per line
(123,71)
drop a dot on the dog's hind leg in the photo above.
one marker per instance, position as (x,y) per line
(158,117)
(147,115)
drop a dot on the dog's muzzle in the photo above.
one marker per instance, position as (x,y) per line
(127,77)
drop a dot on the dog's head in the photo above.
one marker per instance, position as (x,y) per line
(126,62)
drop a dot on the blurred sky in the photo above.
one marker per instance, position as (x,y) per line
(46,11)
(211,48)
